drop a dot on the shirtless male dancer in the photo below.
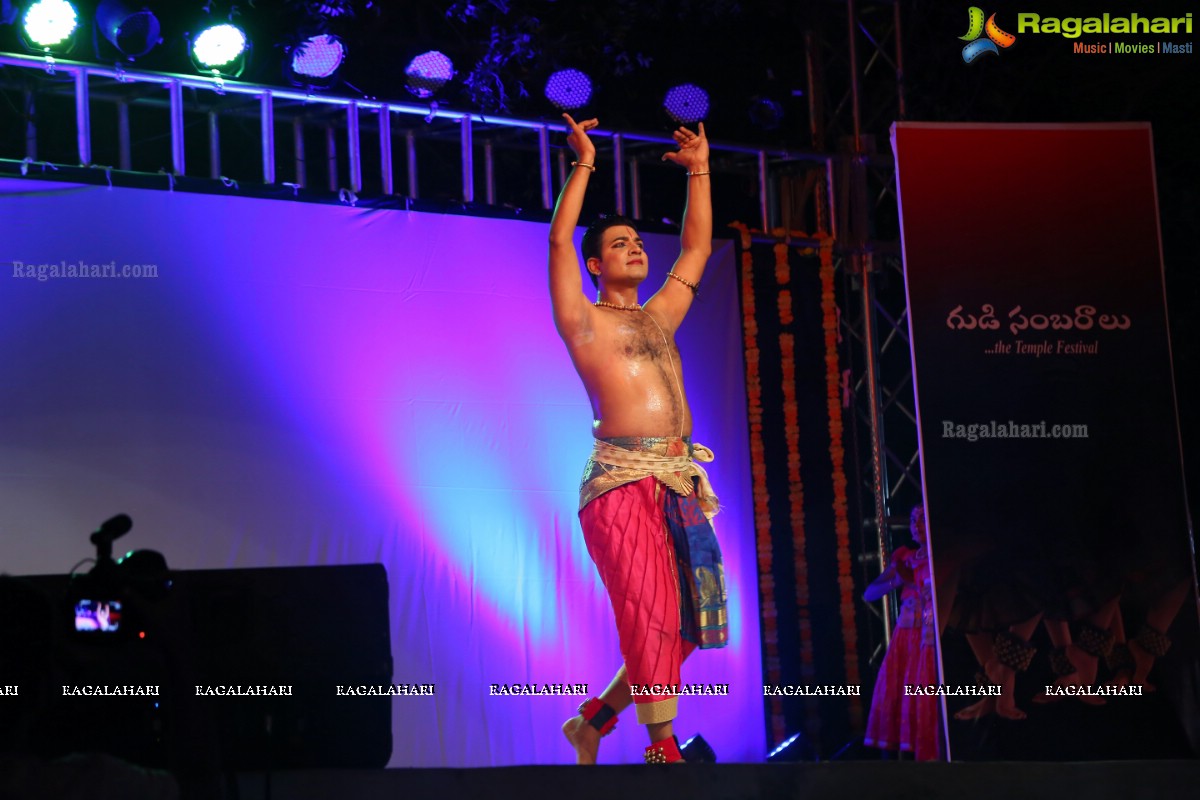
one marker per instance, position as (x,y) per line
(644,502)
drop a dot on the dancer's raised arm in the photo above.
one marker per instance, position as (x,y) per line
(675,297)
(571,308)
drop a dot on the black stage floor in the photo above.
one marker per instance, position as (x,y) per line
(847,780)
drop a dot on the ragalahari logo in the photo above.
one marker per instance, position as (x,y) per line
(976,28)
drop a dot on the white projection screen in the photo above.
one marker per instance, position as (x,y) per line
(308,384)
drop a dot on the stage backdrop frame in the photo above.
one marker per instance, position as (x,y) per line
(1034,274)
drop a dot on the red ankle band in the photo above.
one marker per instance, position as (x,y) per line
(599,714)
(665,751)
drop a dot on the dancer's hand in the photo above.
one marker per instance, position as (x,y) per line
(579,141)
(693,149)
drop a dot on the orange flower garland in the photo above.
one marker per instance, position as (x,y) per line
(762,513)
(791,418)
(838,455)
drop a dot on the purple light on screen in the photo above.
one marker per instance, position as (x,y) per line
(569,89)
(319,56)
(686,103)
(428,72)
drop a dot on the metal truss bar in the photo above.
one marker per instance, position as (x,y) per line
(618,143)
(178,162)
(544,167)
(468,159)
(385,149)
(354,147)
(83,118)
(275,100)
(880,52)
(268,137)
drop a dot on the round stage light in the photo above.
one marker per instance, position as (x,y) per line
(428,72)
(686,103)
(569,89)
(49,23)
(219,46)
(318,57)
(133,32)
(766,112)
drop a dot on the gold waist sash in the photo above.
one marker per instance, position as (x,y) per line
(611,466)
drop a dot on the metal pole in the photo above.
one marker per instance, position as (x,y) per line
(618,141)
(764,207)
(562,167)
(175,92)
(830,200)
(331,160)
(124,151)
(83,118)
(489,174)
(875,417)
(468,163)
(635,188)
(30,127)
(214,146)
(852,54)
(544,166)
(410,155)
(823,198)
(864,267)
(385,148)
(901,106)
(354,145)
(298,147)
(267,106)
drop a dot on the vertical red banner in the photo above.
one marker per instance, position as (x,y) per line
(1059,532)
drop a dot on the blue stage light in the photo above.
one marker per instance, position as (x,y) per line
(569,89)
(49,25)
(427,73)
(686,103)
(318,57)
(134,31)
(794,748)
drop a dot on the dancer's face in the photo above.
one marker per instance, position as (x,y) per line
(917,524)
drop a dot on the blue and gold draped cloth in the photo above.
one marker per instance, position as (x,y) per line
(687,508)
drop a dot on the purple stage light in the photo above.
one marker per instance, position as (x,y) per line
(318,57)
(686,103)
(134,32)
(569,89)
(428,72)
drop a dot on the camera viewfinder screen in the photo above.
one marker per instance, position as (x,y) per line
(102,616)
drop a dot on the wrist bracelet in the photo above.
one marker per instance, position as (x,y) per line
(695,289)
(592,167)
(705,172)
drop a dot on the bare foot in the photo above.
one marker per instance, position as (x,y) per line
(1143,662)
(583,737)
(1084,675)
(977,710)
(1006,679)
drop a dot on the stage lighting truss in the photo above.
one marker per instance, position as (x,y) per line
(315,62)
(220,50)
(135,31)
(687,103)
(569,89)
(427,73)
(49,26)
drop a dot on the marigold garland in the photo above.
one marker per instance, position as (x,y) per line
(837,454)
(791,425)
(762,514)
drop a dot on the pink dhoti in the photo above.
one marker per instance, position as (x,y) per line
(647,530)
